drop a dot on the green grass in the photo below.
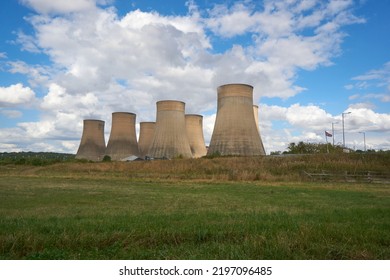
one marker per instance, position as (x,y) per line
(44,217)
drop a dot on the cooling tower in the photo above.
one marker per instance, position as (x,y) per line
(170,138)
(123,139)
(235,131)
(92,144)
(256,113)
(146,131)
(194,127)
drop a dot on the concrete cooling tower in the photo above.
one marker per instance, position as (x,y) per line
(194,127)
(235,131)
(123,138)
(92,144)
(146,131)
(170,138)
(256,113)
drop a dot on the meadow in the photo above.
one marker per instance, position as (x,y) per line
(222,208)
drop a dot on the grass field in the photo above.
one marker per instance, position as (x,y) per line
(201,211)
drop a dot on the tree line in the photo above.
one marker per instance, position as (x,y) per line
(34,158)
(318,148)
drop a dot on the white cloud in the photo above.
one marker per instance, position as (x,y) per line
(230,22)
(68,6)
(94,47)
(379,78)
(362,105)
(353,97)
(380,96)
(208,127)
(5,147)
(372,86)
(16,95)
(365,119)
(310,116)
(27,42)
(37,75)
(299,123)
(375,96)
(11,114)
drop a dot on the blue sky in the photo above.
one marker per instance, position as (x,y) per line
(308,60)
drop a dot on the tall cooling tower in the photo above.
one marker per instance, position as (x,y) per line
(235,131)
(92,144)
(146,131)
(123,139)
(194,126)
(256,113)
(170,138)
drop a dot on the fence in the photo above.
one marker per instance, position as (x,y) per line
(350,177)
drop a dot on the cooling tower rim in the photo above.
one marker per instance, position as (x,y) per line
(194,115)
(147,122)
(235,84)
(170,101)
(93,120)
(254,105)
(235,91)
(170,105)
(123,113)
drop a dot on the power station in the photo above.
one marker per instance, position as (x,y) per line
(175,134)
(170,139)
(194,127)
(235,131)
(123,139)
(146,132)
(92,144)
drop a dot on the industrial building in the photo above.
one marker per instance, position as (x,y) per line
(123,139)
(235,131)
(170,139)
(146,132)
(194,127)
(92,145)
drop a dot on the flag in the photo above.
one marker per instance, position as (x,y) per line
(327,134)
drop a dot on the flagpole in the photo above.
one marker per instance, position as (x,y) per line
(326,139)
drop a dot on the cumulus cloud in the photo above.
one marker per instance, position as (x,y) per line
(365,119)
(68,6)
(307,116)
(16,95)
(95,46)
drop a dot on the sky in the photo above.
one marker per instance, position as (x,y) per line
(309,61)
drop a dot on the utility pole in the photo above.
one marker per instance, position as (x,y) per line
(364,139)
(333,123)
(342,118)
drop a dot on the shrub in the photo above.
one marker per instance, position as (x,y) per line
(106,158)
